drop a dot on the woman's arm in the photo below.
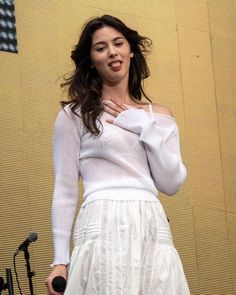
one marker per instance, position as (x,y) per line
(66,148)
(160,136)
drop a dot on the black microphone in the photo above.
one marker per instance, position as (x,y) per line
(59,284)
(24,245)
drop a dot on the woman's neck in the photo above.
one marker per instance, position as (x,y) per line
(118,92)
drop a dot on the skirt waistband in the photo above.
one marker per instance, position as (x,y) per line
(121,194)
(137,220)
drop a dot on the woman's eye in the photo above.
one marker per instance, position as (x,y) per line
(99,49)
(119,44)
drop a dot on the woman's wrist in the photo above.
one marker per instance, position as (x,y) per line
(59,266)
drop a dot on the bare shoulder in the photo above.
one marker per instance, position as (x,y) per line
(157,108)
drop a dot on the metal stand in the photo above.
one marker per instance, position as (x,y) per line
(9,285)
(30,273)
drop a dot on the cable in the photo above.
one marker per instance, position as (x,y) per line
(17,280)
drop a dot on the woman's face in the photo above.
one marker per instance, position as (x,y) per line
(110,55)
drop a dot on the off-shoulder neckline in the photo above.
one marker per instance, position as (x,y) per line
(154,113)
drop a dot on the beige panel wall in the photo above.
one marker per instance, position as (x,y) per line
(193,66)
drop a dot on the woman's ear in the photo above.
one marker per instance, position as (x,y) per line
(131,54)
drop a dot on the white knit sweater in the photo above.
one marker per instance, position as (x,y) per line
(139,151)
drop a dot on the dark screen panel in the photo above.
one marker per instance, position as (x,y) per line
(8,40)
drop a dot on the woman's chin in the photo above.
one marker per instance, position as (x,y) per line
(116,78)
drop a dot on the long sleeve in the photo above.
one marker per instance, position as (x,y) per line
(159,134)
(66,148)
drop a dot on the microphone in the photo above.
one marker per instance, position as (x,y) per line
(24,245)
(59,284)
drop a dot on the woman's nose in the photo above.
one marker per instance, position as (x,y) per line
(112,51)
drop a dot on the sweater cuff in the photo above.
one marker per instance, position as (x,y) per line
(133,120)
(61,248)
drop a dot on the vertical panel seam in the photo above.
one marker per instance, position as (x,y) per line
(219,135)
(185,124)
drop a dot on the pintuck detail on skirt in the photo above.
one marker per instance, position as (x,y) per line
(124,248)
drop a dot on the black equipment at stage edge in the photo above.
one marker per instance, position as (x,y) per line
(9,284)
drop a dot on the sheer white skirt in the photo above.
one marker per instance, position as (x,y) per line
(124,248)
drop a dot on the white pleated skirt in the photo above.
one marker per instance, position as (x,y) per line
(124,248)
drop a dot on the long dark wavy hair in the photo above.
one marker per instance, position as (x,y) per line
(84,85)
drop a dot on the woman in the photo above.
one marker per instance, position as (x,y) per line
(124,150)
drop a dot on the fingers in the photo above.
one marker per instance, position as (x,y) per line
(113,107)
(119,105)
(57,271)
(110,121)
(110,111)
(50,290)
